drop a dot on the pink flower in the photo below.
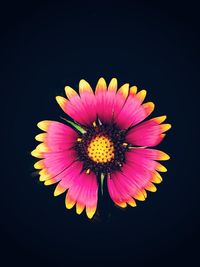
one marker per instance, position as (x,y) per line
(105,140)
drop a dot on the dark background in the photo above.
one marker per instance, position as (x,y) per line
(46,45)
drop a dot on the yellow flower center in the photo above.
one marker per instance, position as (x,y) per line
(101,149)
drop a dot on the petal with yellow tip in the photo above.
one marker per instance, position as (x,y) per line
(160,167)
(141,95)
(112,85)
(133,90)
(41,137)
(42,148)
(149,107)
(121,204)
(44,125)
(124,90)
(39,165)
(70,92)
(59,190)
(160,119)
(151,187)
(132,202)
(84,86)
(101,86)
(69,202)
(50,181)
(35,153)
(156,178)
(90,211)
(144,192)
(165,127)
(45,177)
(163,156)
(139,196)
(44,171)
(62,102)
(79,208)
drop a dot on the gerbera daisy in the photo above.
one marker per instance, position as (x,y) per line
(105,140)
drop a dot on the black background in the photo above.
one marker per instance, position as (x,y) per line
(46,45)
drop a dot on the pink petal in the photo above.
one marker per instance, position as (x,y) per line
(148,133)
(139,159)
(84,191)
(78,111)
(115,194)
(108,102)
(59,136)
(101,98)
(81,108)
(133,111)
(152,154)
(123,188)
(140,166)
(105,99)
(138,177)
(56,162)
(108,109)
(135,176)
(57,150)
(120,99)
(88,101)
(68,176)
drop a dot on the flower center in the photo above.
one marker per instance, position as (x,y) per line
(101,149)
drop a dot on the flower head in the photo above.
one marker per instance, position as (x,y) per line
(105,140)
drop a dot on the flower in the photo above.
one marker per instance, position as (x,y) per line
(106,139)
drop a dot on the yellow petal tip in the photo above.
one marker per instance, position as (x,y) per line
(84,86)
(70,92)
(141,95)
(133,90)
(39,165)
(69,203)
(132,203)
(35,153)
(124,89)
(42,148)
(40,137)
(79,208)
(161,168)
(163,156)
(156,178)
(139,196)
(165,127)
(43,125)
(121,204)
(101,85)
(61,101)
(160,119)
(112,87)
(49,181)
(90,215)
(151,187)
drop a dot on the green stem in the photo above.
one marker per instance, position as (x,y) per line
(75,125)
(102,180)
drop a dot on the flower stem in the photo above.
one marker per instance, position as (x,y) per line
(75,125)
(102,180)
